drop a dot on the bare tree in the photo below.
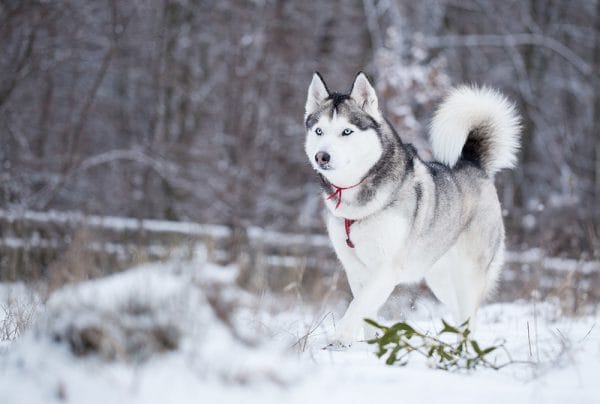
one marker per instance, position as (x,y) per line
(193,110)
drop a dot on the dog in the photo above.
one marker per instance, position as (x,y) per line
(394,218)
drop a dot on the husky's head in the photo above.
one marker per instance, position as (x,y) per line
(342,141)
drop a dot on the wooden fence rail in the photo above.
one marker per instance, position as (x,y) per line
(31,243)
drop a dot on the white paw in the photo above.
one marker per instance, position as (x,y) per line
(336,346)
(344,334)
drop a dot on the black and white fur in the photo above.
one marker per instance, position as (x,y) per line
(440,221)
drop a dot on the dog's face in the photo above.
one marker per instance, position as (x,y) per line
(342,140)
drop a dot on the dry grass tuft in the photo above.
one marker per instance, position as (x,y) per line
(18,314)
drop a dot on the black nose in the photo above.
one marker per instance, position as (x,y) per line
(322,158)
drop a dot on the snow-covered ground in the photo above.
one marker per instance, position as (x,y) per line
(182,332)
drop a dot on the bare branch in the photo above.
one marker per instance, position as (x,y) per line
(448,41)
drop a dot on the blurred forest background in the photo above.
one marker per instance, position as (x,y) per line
(192,110)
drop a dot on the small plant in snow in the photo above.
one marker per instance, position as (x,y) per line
(401,340)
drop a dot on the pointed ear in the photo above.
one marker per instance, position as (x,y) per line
(317,93)
(364,94)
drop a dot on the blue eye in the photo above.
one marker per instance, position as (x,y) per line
(347,132)
(319,131)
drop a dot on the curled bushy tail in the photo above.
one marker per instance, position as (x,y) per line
(477,124)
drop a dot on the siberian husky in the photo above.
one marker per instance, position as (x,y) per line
(394,218)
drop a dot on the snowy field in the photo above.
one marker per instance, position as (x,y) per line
(183,332)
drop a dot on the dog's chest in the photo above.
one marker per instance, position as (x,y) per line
(377,240)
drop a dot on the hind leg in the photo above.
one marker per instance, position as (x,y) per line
(469,284)
(458,282)
(479,257)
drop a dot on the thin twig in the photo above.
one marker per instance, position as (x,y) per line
(544,41)
(304,339)
(588,333)
(529,340)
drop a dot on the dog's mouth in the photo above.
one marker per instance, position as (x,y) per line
(324,167)
(337,166)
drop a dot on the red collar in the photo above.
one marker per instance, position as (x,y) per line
(347,222)
(338,192)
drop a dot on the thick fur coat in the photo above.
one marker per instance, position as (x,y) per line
(394,218)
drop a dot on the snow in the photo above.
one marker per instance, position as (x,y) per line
(233,346)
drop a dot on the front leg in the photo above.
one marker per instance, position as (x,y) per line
(365,304)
